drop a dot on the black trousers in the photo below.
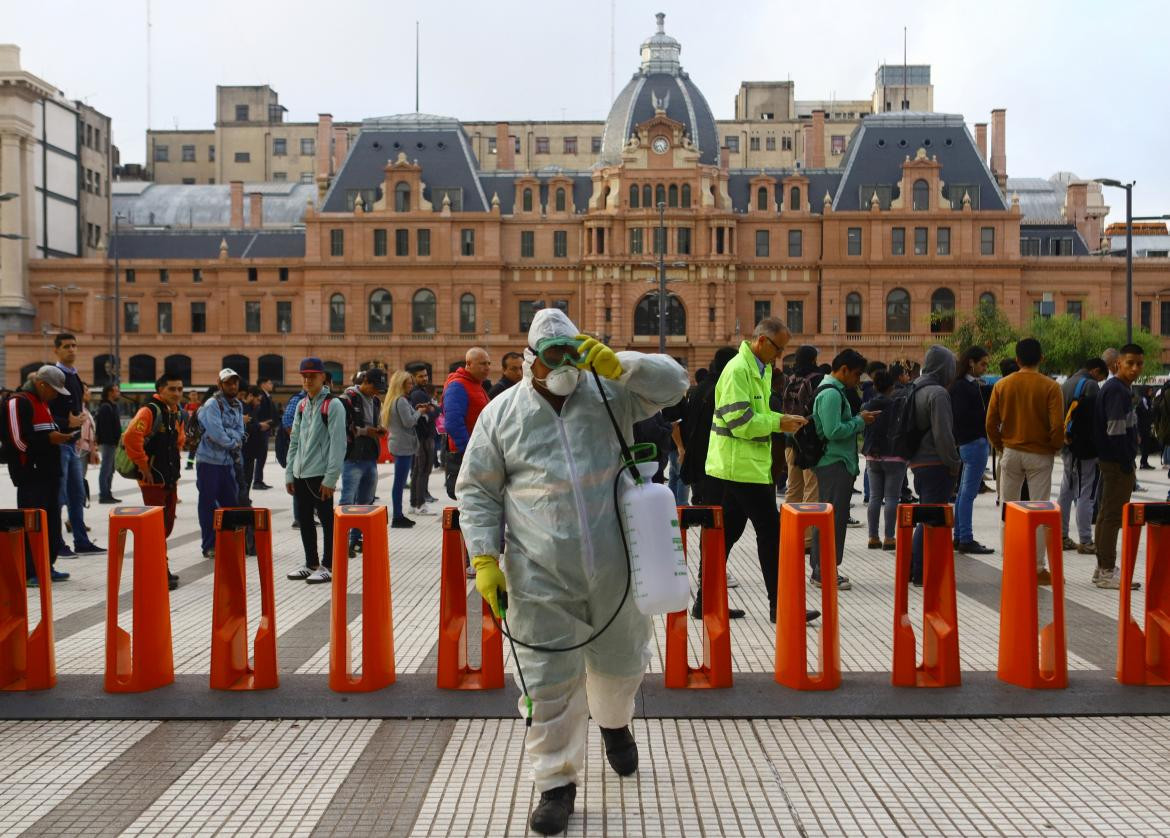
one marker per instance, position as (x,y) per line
(755,502)
(41,493)
(307,497)
(255,474)
(420,472)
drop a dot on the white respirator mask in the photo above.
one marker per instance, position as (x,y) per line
(562,381)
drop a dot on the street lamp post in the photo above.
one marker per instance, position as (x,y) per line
(660,246)
(117,308)
(1128,187)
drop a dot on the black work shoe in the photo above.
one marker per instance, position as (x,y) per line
(551,814)
(172,580)
(974,548)
(810,614)
(401,523)
(620,749)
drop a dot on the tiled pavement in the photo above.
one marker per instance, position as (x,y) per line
(717,776)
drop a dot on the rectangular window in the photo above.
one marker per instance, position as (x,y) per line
(306,177)
(762,244)
(164,276)
(453,195)
(763,308)
(241,113)
(769,143)
(199,317)
(570,145)
(956,192)
(402,242)
(188,181)
(853,241)
(786,143)
(1146,315)
(528,309)
(252,316)
(188,152)
(491,145)
(684,241)
(898,241)
(197,274)
(601,240)
(560,244)
(753,143)
(942,241)
(337,242)
(130,275)
(379,242)
(732,143)
(837,144)
(282,274)
(211,154)
(129,317)
(795,244)
(542,145)
(987,241)
(795,314)
(284,316)
(720,236)
(635,240)
(884,195)
(97,190)
(279,146)
(467,241)
(920,241)
(162,154)
(243,157)
(595,145)
(164,319)
(280,176)
(253,274)
(352,195)
(308,146)
(1075,308)
(527,244)
(424,243)
(1164,318)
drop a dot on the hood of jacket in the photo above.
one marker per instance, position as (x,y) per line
(939,365)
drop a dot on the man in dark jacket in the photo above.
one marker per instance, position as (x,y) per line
(424,459)
(67,414)
(108,432)
(513,364)
(1078,484)
(359,474)
(261,428)
(969,407)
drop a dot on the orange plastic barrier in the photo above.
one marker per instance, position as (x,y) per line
(454,672)
(715,670)
(1031,656)
(791,641)
(377,614)
(384,455)
(146,660)
(940,614)
(229,616)
(27,661)
(1143,654)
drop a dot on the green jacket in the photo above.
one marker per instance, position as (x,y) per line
(317,448)
(837,425)
(740,446)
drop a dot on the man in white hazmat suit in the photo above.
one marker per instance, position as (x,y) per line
(543,457)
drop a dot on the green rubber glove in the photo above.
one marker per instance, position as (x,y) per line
(596,355)
(488,580)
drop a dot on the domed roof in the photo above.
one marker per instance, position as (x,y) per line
(660,83)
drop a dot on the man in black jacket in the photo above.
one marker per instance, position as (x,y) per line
(424,460)
(67,414)
(359,474)
(1078,484)
(261,428)
(108,432)
(513,370)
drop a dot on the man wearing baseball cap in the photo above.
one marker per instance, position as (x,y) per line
(316,454)
(218,458)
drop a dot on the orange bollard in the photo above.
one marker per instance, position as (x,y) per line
(454,672)
(1030,656)
(384,455)
(27,661)
(377,614)
(146,661)
(1143,654)
(715,670)
(791,640)
(229,616)
(940,613)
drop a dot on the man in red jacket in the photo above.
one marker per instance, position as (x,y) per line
(463,399)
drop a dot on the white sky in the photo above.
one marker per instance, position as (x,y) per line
(1084,84)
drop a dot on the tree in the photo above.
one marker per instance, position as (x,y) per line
(987,326)
(1068,341)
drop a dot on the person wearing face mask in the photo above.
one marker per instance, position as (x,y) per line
(543,458)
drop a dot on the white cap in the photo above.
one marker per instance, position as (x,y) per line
(226,373)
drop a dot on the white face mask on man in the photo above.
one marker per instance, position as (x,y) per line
(562,381)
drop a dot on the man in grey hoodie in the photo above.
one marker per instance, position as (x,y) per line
(936,462)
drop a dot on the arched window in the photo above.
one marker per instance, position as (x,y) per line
(898,311)
(527,200)
(762,198)
(560,199)
(334,374)
(337,314)
(987,301)
(672,196)
(646,316)
(239,363)
(634,196)
(659,195)
(686,195)
(381,311)
(271,366)
(103,370)
(647,197)
(853,313)
(467,313)
(179,365)
(142,368)
(942,311)
(794,199)
(921,195)
(402,196)
(422,312)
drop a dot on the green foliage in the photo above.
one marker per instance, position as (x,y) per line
(1067,341)
(987,326)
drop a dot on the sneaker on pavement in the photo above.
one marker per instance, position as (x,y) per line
(1087,548)
(889,544)
(88,549)
(209,553)
(65,553)
(732,582)
(1043,576)
(853,523)
(401,523)
(32,582)
(875,543)
(319,576)
(1067,543)
(423,510)
(57,575)
(352,551)
(1111,580)
(1096,575)
(301,573)
(843,583)
(110,499)
(974,548)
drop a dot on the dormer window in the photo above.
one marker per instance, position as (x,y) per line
(794,199)
(762,198)
(526,200)
(402,196)
(921,195)
(560,199)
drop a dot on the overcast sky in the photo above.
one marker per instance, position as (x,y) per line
(1084,84)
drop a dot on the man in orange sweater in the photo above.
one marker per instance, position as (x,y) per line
(1025,422)
(153,441)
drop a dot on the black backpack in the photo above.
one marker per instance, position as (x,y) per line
(8,451)
(808,443)
(1078,423)
(905,435)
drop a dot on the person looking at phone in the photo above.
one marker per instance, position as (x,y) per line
(363,432)
(67,413)
(837,469)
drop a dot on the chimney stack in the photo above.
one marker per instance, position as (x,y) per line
(505,154)
(237,195)
(324,135)
(255,210)
(340,148)
(999,146)
(981,139)
(816,152)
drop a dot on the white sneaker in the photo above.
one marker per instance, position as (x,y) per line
(301,573)
(319,576)
(1110,580)
(732,582)
(422,510)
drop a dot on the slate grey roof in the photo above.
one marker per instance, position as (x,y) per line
(504,185)
(883,141)
(684,103)
(176,244)
(204,206)
(1047,232)
(820,181)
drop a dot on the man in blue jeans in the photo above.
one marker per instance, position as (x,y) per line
(66,412)
(969,407)
(359,474)
(219,455)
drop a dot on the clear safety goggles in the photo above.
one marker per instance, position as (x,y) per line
(556,352)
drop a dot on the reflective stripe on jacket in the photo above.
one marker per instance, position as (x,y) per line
(740,447)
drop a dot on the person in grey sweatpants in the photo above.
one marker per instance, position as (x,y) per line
(1079,483)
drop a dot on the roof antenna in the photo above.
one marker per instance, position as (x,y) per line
(905,69)
(147,65)
(416,66)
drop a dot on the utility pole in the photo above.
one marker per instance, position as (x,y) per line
(117,308)
(660,246)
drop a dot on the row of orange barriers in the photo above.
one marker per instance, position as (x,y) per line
(1030,655)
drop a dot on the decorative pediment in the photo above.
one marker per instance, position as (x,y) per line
(397,171)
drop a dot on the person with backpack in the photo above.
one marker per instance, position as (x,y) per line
(400,418)
(30,445)
(109,432)
(316,455)
(1078,484)
(152,441)
(217,457)
(970,414)
(836,469)
(797,400)
(363,433)
(884,469)
(68,414)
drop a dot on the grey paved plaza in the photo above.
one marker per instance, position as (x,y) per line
(758,759)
